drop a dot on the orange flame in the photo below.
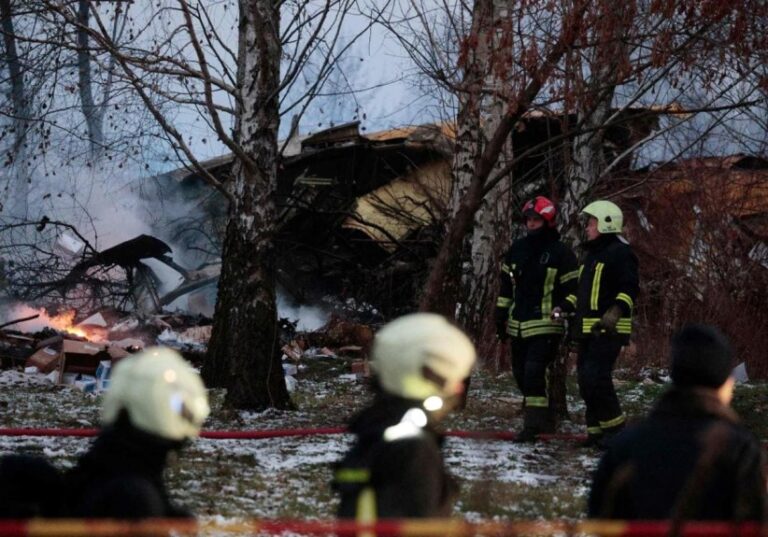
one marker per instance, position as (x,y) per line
(63,322)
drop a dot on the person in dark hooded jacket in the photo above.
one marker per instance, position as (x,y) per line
(395,468)
(155,404)
(691,459)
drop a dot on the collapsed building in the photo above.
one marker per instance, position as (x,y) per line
(360,215)
(700,229)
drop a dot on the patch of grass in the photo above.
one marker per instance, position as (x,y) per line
(291,477)
(751,403)
(518,501)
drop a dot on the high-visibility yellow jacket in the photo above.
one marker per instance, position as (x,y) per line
(537,273)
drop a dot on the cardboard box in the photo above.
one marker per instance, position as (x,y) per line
(73,356)
(361,368)
(103,370)
(45,360)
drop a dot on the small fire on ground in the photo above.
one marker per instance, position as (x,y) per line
(63,322)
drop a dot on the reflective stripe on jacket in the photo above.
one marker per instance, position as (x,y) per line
(608,276)
(537,272)
(394,470)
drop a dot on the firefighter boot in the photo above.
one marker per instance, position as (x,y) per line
(536,420)
(594,438)
(608,435)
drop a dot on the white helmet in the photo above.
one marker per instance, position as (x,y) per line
(422,355)
(161,392)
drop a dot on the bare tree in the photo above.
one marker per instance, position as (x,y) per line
(95,110)
(539,61)
(192,67)
(21,96)
(567,54)
(610,60)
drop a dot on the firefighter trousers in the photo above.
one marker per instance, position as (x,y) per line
(597,356)
(530,359)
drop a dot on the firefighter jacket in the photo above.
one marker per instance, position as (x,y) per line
(30,487)
(121,476)
(608,276)
(691,459)
(537,273)
(395,469)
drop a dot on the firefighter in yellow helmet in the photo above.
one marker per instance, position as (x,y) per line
(603,305)
(395,468)
(155,404)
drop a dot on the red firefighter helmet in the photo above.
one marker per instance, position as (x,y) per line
(541,207)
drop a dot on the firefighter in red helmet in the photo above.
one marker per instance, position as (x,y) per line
(537,273)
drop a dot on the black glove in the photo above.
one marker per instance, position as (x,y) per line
(608,321)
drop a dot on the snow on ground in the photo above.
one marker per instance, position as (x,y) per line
(14,377)
(503,461)
(290,476)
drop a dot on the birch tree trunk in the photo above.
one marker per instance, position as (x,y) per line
(469,142)
(587,158)
(604,68)
(474,166)
(93,113)
(492,230)
(587,165)
(249,365)
(20,176)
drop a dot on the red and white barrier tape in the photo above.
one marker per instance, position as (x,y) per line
(393,528)
(275,433)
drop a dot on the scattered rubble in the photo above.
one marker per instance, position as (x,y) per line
(339,339)
(82,354)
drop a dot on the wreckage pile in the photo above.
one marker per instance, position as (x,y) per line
(82,355)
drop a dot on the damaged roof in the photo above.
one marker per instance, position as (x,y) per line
(393,211)
(738,183)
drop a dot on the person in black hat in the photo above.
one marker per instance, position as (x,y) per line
(691,459)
